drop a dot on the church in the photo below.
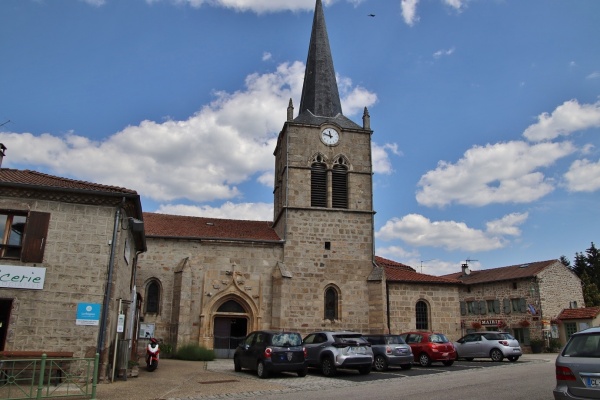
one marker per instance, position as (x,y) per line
(108,273)
(209,281)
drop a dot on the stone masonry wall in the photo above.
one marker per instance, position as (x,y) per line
(76,259)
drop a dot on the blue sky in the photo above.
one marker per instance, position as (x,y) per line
(486,114)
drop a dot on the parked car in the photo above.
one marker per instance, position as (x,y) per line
(271,351)
(428,347)
(390,350)
(578,367)
(495,345)
(330,350)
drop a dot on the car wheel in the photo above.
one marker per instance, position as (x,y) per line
(496,355)
(237,367)
(424,360)
(513,358)
(448,363)
(406,366)
(364,370)
(327,366)
(380,363)
(261,370)
(469,358)
(302,373)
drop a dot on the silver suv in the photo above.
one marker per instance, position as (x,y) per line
(330,350)
(578,367)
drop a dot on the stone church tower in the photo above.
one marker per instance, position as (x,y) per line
(323,204)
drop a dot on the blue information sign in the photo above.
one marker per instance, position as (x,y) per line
(88,314)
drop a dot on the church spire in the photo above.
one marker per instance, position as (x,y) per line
(320,93)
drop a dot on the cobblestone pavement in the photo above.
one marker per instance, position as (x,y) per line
(189,380)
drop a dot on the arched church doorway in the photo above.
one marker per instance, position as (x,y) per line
(230,328)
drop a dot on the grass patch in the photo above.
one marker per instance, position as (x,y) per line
(194,352)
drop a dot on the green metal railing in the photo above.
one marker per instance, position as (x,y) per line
(45,378)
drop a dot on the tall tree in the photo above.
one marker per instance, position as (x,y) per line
(587,268)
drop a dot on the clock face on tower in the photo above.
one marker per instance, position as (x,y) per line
(330,136)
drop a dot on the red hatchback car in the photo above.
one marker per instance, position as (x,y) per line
(428,347)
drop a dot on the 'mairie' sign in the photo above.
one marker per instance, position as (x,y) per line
(13,276)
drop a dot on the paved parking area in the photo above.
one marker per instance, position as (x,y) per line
(188,380)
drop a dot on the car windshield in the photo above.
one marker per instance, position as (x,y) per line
(583,346)
(286,340)
(394,340)
(438,338)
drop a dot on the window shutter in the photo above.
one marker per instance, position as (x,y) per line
(482,307)
(34,240)
(463,308)
(318,185)
(526,336)
(497,306)
(507,306)
(339,187)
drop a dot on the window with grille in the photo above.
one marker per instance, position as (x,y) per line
(331,302)
(339,184)
(318,183)
(152,297)
(422,315)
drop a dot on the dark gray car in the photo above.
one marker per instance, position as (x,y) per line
(578,367)
(390,350)
(330,350)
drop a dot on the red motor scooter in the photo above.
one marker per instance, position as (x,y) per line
(152,355)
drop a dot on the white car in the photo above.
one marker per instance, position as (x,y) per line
(494,345)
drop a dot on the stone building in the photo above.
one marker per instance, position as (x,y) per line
(523,299)
(68,251)
(207,280)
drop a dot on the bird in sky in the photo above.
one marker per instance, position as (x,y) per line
(371,15)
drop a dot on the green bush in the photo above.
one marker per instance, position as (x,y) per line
(194,352)
(554,345)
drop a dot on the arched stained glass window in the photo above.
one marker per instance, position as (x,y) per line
(331,304)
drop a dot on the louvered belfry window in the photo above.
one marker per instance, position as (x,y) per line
(339,184)
(318,183)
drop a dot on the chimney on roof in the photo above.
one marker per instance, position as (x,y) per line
(465,269)
(2,150)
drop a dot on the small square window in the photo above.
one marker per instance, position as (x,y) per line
(327,245)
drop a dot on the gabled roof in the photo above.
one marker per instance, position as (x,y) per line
(398,272)
(579,313)
(520,271)
(34,179)
(320,93)
(179,226)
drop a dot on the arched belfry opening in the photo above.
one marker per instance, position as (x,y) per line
(231,320)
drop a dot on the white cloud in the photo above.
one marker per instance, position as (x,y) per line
(95,3)
(417,230)
(257,6)
(498,173)
(409,11)
(354,98)
(266,56)
(456,4)
(397,253)
(228,210)
(564,120)
(593,75)
(441,53)
(203,158)
(583,176)
(381,160)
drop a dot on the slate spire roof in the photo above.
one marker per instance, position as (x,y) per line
(320,93)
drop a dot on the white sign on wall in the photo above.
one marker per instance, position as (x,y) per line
(17,277)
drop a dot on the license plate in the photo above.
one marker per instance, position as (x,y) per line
(593,382)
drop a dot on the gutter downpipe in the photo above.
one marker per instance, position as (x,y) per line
(111,264)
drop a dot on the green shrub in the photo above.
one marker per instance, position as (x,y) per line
(194,352)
